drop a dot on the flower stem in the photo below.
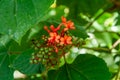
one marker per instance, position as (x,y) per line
(118,73)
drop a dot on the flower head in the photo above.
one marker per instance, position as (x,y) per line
(68,24)
(55,43)
(65,40)
(64,20)
(54,37)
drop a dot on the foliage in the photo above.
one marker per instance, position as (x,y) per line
(79,69)
(60,39)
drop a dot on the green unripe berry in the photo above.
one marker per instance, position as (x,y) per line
(31,61)
(33,57)
(43,52)
(45,39)
(35,61)
(36,48)
(45,56)
(45,48)
(39,60)
(32,77)
(33,54)
(41,49)
(51,57)
(38,44)
(38,75)
(49,53)
(40,52)
(44,61)
(39,55)
(46,51)
(54,62)
(50,49)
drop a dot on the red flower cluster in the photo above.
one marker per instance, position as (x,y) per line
(59,35)
(55,45)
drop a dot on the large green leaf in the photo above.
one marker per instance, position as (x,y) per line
(14,47)
(22,63)
(4,39)
(18,16)
(5,72)
(85,67)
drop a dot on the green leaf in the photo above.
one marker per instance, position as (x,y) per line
(105,38)
(79,32)
(4,39)
(18,16)
(14,47)
(118,20)
(22,63)
(6,73)
(85,67)
(85,7)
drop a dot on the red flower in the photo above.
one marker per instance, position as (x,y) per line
(67,24)
(65,40)
(54,29)
(54,37)
(46,28)
(60,38)
(64,20)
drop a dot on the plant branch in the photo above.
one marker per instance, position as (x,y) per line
(89,24)
(66,66)
(115,44)
(44,75)
(97,17)
(118,73)
(98,49)
(96,31)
